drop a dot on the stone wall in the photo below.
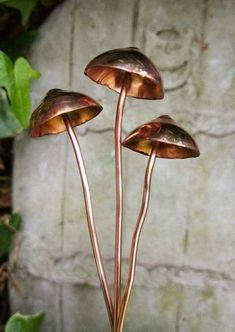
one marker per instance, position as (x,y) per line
(185,279)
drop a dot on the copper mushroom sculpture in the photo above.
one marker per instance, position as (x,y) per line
(60,111)
(130,73)
(160,138)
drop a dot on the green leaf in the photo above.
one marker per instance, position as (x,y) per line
(9,126)
(8,228)
(24,6)
(20,323)
(21,104)
(16,80)
(6,71)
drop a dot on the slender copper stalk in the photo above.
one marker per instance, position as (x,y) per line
(90,219)
(135,239)
(119,203)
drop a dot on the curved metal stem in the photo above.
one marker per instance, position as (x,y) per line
(135,239)
(119,202)
(90,219)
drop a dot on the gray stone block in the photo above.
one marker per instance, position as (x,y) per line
(185,277)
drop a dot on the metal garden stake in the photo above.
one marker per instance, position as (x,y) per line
(160,138)
(60,111)
(130,73)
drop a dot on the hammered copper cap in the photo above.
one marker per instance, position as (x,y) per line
(47,118)
(142,77)
(170,139)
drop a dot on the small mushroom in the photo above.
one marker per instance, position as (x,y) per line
(129,67)
(130,73)
(58,105)
(59,111)
(161,138)
(172,141)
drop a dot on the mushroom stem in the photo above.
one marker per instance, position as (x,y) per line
(136,237)
(119,201)
(90,219)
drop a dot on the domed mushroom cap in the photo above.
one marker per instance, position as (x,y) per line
(143,78)
(171,140)
(47,118)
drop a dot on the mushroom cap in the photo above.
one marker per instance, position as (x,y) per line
(170,139)
(47,118)
(143,78)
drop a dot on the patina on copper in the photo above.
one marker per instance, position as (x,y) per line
(173,141)
(47,118)
(109,69)
(129,72)
(60,111)
(162,138)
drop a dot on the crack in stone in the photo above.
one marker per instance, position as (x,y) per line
(179,314)
(135,20)
(71,46)
(213,135)
(70,80)
(194,120)
(203,34)
(100,131)
(82,269)
(125,132)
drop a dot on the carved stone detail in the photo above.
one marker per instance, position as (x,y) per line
(170,47)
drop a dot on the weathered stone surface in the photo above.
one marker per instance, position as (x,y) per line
(207,309)
(39,295)
(185,278)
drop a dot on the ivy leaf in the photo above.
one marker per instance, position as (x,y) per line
(6,71)
(9,126)
(24,6)
(21,323)
(21,104)
(8,227)
(16,80)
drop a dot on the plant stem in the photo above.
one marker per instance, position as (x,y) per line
(119,202)
(135,239)
(90,219)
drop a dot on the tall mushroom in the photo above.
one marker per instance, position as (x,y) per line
(130,73)
(60,111)
(160,138)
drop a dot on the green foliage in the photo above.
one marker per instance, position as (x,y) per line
(15,79)
(24,6)
(21,104)
(8,227)
(20,323)
(9,126)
